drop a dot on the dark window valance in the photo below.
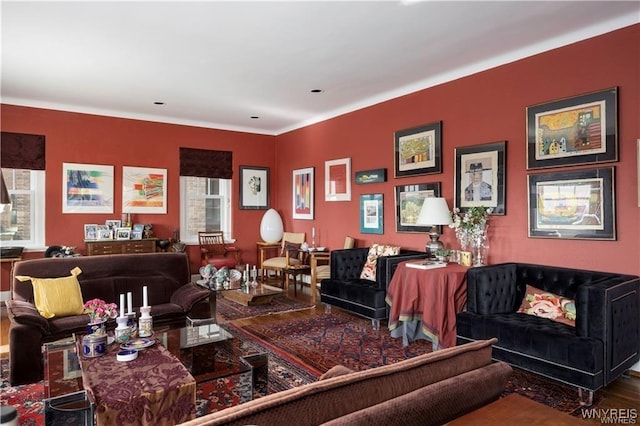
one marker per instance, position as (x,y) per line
(206,163)
(22,151)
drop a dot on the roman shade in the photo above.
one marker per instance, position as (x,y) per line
(22,151)
(206,163)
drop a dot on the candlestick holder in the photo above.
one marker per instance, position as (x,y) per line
(122,331)
(132,323)
(145,323)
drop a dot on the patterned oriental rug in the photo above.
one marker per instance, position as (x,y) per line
(230,310)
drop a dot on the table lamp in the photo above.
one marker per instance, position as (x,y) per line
(434,212)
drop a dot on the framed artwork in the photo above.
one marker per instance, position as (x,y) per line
(578,130)
(144,190)
(254,188)
(409,200)
(104,233)
(136,235)
(337,180)
(87,188)
(91,231)
(573,205)
(123,233)
(371,214)
(371,176)
(113,223)
(638,174)
(418,151)
(480,177)
(303,195)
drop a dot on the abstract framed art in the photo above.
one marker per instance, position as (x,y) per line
(577,130)
(337,180)
(87,188)
(254,188)
(144,190)
(303,193)
(577,204)
(418,151)
(480,177)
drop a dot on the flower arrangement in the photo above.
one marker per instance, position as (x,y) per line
(471,224)
(99,310)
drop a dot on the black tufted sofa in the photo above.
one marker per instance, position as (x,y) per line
(345,289)
(603,344)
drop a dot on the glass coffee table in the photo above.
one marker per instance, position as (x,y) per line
(208,351)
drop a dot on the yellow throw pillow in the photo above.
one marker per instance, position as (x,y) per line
(60,297)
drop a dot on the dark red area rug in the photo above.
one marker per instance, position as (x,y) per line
(230,310)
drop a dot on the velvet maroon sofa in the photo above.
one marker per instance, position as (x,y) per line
(430,389)
(170,293)
(601,346)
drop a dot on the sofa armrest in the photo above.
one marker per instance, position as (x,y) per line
(25,313)
(187,295)
(492,289)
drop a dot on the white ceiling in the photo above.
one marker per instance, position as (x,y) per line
(216,64)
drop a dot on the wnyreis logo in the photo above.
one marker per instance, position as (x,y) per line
(613,416)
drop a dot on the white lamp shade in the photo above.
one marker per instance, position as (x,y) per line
(435,211)
(271,227)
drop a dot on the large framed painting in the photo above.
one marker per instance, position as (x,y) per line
(303,193)
(337,180)
(418,151)
(577,204)
(144,190)
(371,214)
(480,177)
(87,188)
(254,188)
(577,130)
(409,200)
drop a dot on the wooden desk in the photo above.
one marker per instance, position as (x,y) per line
(424,303)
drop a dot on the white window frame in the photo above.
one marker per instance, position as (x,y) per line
(38,214)
(225,210)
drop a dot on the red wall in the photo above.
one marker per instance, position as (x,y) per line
(485,107)
(91,139)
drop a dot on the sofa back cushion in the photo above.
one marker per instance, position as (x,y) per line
(106,277)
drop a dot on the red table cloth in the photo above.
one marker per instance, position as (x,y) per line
(154,389)
(431,297)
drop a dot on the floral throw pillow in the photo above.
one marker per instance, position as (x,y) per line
(548,305)
(376,250)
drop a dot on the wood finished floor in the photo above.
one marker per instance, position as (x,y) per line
(624,393)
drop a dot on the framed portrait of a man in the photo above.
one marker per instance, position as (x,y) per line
(480,177)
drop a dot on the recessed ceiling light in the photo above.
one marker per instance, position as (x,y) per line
(158,103)
(254,117)
(317,91)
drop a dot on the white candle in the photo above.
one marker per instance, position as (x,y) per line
(313,232)
(129,303)
(122,304)
(144,296)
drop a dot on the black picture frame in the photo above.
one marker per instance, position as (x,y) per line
(418,150)
(577,130)
(409,199)
(371,176)
(577,204)
(254,188)
(490,160)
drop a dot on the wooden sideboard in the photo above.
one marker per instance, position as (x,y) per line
(120,246)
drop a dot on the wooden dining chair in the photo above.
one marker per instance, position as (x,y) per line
(214,251)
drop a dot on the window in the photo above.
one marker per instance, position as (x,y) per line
(205,205)
(19,223)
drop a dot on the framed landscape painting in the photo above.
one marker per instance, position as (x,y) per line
(418,151)
(577,204)
(578,130)
(409,200)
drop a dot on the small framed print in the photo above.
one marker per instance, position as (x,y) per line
(578,130)
(91,231)
(105,233)
(578,204)
(123,233)
(371,176)
(409,200)
(371,214)
(303,193)
(113,223)
(418,151)
(254,188)
(138,227)
(337,180)
(480,177)
(136,235)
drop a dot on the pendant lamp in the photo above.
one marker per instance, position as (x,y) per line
(271,227)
